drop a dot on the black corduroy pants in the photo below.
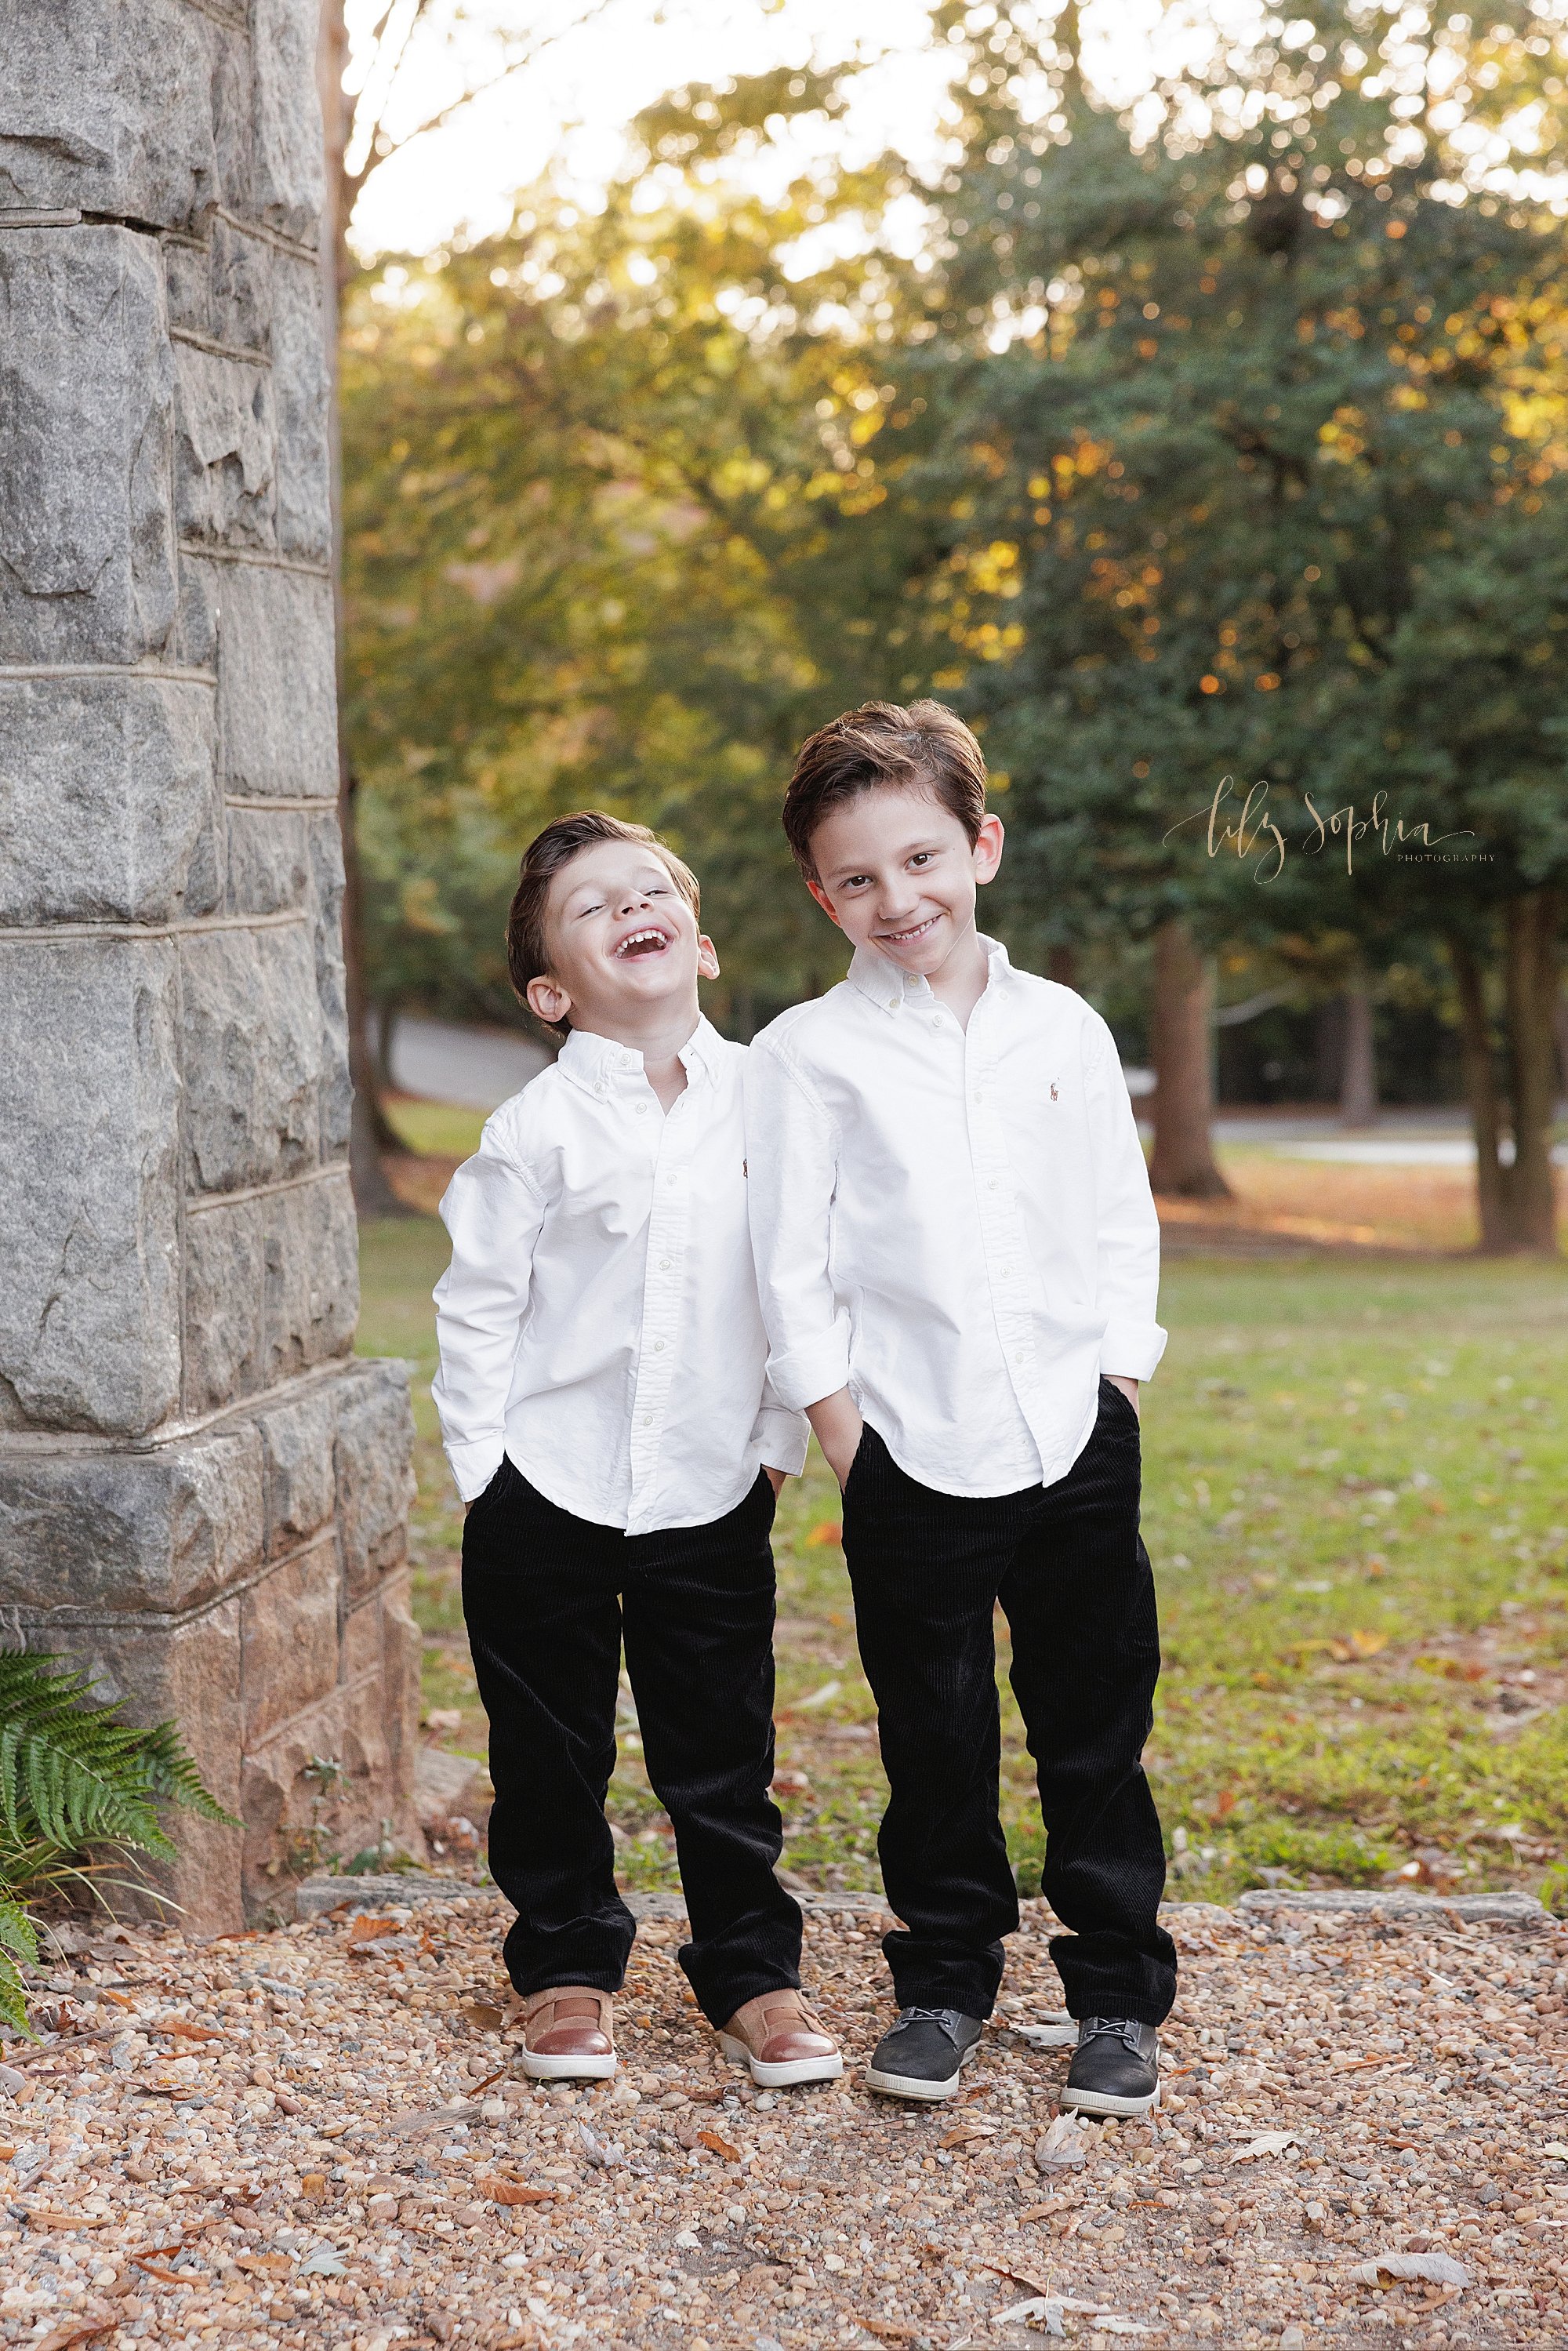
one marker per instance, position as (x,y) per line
(548,1599)
(1069,1567)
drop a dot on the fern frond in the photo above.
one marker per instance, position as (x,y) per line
(72,1774)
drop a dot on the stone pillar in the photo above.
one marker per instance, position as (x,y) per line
(202,1494)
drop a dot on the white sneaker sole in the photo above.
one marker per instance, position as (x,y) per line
(1100,2102)
(781,2077)
(912,2085)
(540,2067)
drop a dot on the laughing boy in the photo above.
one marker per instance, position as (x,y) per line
(603,1399)
(959,1258)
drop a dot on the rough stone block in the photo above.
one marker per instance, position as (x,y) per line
(107,108)
(299,1439)
(85,1531)
(288,185)
(402,1646)
(312,1275)
(276,687)
(300,396)
(89,1116)
(225,1279)
(230,103)
(253,1056)
(299,1812)
(109,806)
(240,286)
(224,449)
(190,1674)
(375,1482)
(193,641)
(87,546)
(362,1637)
(337,1098)
(268,863)
(289,1631)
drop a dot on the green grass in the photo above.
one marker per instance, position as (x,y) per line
(434,1130)
(1356,1501)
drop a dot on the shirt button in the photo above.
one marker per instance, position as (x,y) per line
(892,1003)
(647,1420)
(990,1182)
(663,1265)
(641,1108)
(658,1346)
(1020,1357)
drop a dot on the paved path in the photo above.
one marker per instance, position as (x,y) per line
(476,1069)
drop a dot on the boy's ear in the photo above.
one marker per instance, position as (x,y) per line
(822,900)
(549,999)
(988,848)
(708,957)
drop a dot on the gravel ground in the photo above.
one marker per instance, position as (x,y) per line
(313,2136)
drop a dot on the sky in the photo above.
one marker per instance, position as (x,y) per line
(589,66)
(576,96)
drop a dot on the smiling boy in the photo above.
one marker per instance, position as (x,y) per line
(603,1403)
(959,1258)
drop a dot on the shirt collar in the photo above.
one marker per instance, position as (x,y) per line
(597,1064)
(882,983)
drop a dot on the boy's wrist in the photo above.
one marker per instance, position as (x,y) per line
(838,1428)
(1129,1388)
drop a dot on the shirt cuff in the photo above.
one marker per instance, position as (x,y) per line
(1132,1350)
(806,1374)
(474,1466)
(782,1438)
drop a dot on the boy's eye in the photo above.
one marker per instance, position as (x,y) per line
(921,857)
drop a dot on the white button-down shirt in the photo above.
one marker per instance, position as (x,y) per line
(955,1223)
(600,1319)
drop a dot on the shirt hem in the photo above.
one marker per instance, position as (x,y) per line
(1050,1472)
(628,1524)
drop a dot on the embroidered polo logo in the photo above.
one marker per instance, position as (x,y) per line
(1053,1092)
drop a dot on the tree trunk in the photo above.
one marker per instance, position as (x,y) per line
(1180,1037)
(1480,1092)
(369,1133)
(1358,1070)
(1061,965)
(1530,992)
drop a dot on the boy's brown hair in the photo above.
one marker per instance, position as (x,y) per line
(550,852)
(924,747)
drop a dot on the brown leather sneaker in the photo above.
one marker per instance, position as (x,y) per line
(569,2035)
(778,2038)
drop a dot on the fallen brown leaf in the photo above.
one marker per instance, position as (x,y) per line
(76,2330)
(484,2014)
(513,2191)
(264,2264)
(1025,2277)
(49,2220)
(720,2146)
(368,1929)
(891,2330)
(187,2030)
